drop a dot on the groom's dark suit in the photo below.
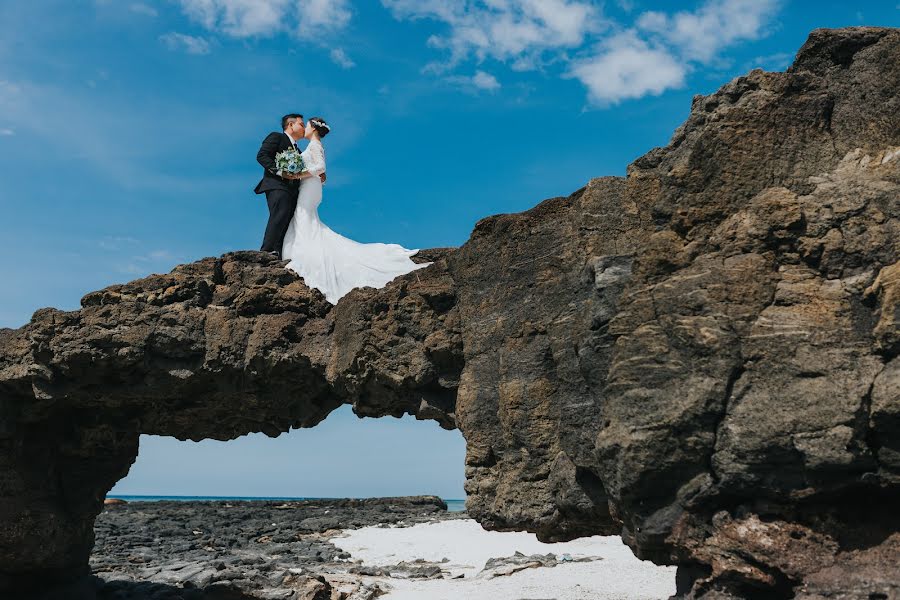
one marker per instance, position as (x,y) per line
(281,194)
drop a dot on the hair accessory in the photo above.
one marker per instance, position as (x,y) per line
(319,123)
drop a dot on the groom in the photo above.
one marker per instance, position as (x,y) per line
(280,189)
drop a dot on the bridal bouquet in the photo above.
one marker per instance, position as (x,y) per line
(289,161)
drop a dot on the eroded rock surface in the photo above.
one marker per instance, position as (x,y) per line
(252,550)
(701,356)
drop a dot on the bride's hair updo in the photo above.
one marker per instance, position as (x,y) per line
(321,127)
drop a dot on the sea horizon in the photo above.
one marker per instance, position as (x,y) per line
(453,504)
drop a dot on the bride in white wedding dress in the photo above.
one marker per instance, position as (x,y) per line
(325,259)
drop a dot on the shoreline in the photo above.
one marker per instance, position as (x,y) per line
(453,504)
(340,549)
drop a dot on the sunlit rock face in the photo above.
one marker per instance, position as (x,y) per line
(216,349)
(701,357)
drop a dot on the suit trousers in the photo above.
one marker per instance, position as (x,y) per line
(282,204)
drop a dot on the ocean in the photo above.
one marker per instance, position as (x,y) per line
(453,505)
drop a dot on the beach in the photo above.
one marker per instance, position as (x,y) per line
(596,568)
(347,549)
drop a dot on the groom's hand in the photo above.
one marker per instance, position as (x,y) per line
(322,177)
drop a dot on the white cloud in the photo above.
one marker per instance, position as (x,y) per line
(7,132)
(627,67)
(517,31)
(250,18)
(143,9)
(485,81)
(614,61)
(187,43)
(322,17)
(340,58)
(239,18)
(700,35)
(480,81)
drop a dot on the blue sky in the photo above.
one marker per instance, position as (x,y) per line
(128,131)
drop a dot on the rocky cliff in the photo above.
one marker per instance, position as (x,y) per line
(701,357)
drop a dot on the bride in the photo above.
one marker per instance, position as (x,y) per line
(326,260)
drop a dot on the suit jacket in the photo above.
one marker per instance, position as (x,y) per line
(274,143)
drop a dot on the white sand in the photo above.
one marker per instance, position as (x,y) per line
(619,575)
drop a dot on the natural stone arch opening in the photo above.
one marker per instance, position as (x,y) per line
(342,457)
(214,350)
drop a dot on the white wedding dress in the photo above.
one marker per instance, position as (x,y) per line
(328,261)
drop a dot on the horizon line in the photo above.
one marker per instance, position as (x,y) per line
(272,497)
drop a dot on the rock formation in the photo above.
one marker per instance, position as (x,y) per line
(701,357)
(258,549)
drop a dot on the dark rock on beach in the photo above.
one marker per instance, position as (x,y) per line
(702,357)
(510,565)
(250,549)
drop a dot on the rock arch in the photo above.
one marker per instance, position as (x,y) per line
(701,357)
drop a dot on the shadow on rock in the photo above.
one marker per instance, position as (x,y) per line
(95,588)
